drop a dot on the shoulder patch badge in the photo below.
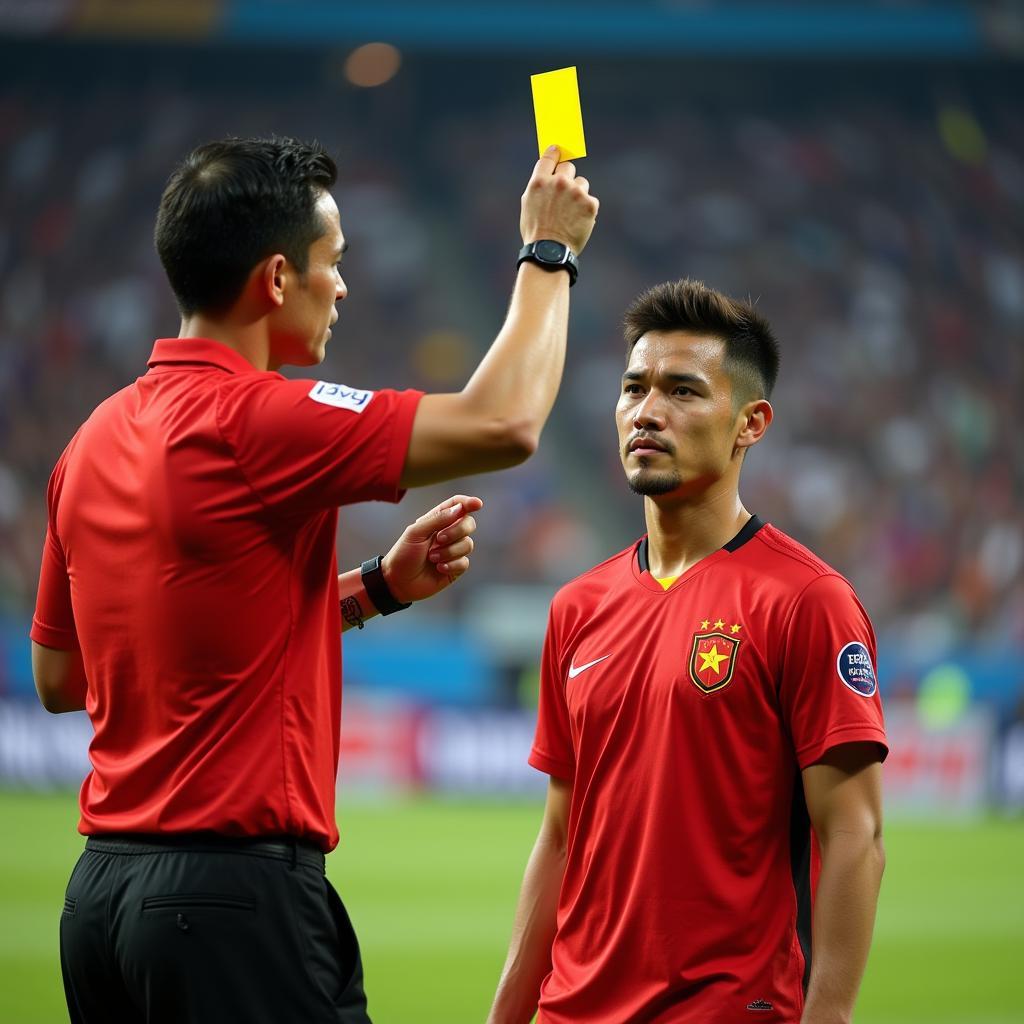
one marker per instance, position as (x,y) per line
(340,396)
(713,656)
(855,669)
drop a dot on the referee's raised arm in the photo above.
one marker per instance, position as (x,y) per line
(495,421)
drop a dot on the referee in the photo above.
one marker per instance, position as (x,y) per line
(189,598)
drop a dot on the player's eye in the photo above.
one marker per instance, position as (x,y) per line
(681,390)
(631,389)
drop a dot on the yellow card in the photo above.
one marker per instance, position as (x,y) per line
(556,105)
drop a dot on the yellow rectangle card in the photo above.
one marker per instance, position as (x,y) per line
(556,106)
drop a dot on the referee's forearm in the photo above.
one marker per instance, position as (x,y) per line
(356,606)
(518,378)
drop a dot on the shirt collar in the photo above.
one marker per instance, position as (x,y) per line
(199,350)
(752,525)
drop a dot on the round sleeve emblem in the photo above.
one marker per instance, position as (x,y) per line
(855,669)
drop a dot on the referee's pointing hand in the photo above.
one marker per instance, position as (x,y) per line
(434,551)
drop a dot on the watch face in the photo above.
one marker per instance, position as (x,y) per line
(550,252)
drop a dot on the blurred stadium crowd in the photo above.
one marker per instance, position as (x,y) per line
(878,228)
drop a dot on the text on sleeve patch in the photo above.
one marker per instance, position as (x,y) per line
(855,669)
(340,396)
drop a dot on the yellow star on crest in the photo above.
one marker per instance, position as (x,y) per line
(705,624)
(719,624)
(734,628)
(712,659)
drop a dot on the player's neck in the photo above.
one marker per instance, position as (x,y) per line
(681,533)
(248,338)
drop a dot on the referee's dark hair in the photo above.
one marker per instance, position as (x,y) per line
(751,351)
(231,204)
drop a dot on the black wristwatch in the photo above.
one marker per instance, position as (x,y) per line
(551,256)
(377,589)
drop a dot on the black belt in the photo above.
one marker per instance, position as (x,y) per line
(287,848)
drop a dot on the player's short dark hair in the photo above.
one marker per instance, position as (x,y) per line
(231,204)
(751,351)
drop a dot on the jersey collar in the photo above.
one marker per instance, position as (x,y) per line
(203,351)
(642,568)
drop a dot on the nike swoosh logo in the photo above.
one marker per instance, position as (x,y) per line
(574,671)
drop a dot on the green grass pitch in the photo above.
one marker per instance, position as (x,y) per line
(431,885)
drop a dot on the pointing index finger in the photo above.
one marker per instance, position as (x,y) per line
(469,502)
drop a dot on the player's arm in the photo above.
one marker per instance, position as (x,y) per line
(844,800)
(432,553)
(529,952)
(59,677)
(496,420)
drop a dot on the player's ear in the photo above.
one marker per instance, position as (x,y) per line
(753,420)
(274,278)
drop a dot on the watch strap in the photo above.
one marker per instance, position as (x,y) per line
(570,261)
(372,577)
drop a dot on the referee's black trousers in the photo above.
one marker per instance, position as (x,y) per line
(191,930)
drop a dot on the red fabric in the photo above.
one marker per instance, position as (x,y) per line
(678,902)
(191,554)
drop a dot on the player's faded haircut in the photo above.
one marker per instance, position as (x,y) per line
(751,351)
(233,203)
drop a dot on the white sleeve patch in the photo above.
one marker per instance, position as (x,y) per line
(340,396)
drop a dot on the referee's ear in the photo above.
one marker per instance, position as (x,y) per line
(274,277)
(752,421)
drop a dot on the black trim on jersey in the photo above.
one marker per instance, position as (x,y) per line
(800,866)
(752,525)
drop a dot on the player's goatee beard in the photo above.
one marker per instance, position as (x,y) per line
(653,484)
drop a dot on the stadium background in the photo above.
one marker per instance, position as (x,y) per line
(858,170)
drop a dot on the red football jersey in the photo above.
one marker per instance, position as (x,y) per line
(684,717)
(190,554)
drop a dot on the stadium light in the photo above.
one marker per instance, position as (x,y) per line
(372,64)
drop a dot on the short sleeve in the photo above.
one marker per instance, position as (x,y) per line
(829,688)
(53,623)
(311,445)
(552,750)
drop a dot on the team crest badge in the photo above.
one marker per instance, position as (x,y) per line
(713,655)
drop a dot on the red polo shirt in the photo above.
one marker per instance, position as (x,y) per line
(190,553)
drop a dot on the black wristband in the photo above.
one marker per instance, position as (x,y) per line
(372,577)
